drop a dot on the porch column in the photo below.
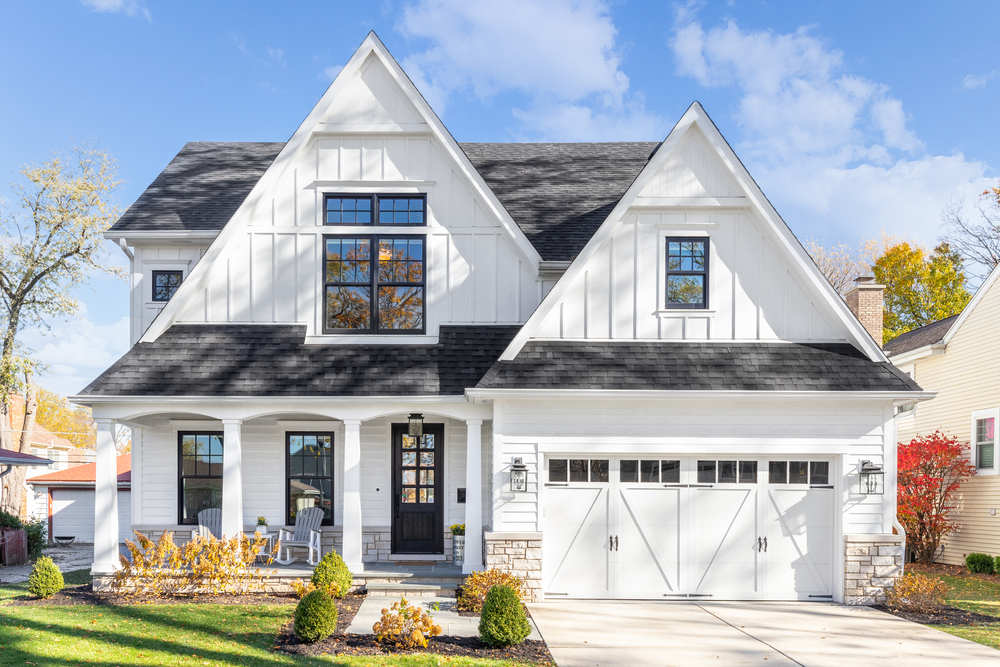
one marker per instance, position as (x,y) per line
(473,496)
(351,523)
(105,501)
(232,478)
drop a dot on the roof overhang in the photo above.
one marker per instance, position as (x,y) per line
(54,483)
(26,462)
(919,353)
(164,236)
(895,396)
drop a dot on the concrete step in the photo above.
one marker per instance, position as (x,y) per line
(410,591)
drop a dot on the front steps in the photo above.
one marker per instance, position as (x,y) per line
(411,582)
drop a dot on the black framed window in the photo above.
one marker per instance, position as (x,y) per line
(798,472)
(374,284)
(199,484)
(165,283)
(309,474)
(687,273)
(368,209)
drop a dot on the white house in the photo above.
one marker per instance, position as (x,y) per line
(632,380)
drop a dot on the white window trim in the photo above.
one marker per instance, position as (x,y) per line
(976,416)
(182,265)
(662,310)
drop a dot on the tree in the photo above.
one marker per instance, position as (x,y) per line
(49,244)
(841,264)
(72,423)
(975,235)
(929,473)
(919,288)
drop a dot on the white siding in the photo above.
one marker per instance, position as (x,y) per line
(73,514)
(149,258)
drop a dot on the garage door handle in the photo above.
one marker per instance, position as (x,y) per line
(765,545)
(616,543)
(611,543)
(760,545)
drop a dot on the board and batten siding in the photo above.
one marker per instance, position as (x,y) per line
(149,258)
(264,469)
(844,432)
(755,292)
(966,377)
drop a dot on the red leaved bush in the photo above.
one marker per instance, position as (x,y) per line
(930,470)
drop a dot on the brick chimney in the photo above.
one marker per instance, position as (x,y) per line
(866,302)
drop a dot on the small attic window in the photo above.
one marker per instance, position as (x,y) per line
(165,283)
(687,273)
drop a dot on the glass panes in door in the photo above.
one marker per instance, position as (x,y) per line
(418,468)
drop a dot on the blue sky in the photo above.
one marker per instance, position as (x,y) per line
(857,118)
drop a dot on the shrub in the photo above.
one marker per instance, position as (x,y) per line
(8,520)
(916,592)
(476,585)
(35,533)
(996,565)
(979,563)
(503,621)
(315,617)
(45,579)
(405,625)
(332,575)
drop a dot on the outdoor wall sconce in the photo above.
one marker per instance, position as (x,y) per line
(518,476)
(872,479)
(416,424)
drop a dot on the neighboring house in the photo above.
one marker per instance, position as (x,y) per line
(9,459)
(959,359)
(69,500)
(630,378)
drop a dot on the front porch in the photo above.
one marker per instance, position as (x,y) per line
(245,460)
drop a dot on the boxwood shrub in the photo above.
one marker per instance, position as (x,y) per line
(332,575)
(315,616)
(45,579)
(503,621)
(979,563)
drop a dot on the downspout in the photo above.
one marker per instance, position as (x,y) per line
(902,532)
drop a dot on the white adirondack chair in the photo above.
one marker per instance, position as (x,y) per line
(305,536)
(209,524)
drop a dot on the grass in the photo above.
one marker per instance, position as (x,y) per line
(972,593)
(149,634)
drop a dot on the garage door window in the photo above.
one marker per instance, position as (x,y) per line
(578,470)
(798,472)
(649,471)
(727,472)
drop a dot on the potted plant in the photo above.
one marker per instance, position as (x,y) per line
(457,542)
(261,526)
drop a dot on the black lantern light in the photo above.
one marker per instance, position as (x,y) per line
(416,427)
(518,475)
(872,478)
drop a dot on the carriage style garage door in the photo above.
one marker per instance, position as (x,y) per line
(661,528)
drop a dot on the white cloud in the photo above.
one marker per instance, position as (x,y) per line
(561,56)
(127,7)
(973,81)
(74,353)
(834,150)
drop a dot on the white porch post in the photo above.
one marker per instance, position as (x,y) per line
(105,501)
(351,523)
(473,496)
(232,478)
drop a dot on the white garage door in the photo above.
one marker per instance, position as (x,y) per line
(688,527)
(73,514)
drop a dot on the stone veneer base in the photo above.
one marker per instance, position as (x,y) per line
(872,563)
(519,554)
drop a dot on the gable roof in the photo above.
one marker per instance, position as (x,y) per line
(12,458)
(557,193)
(694,366)
(85,473)
(929,334)
(273,360)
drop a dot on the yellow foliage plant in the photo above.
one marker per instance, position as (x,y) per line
(918,593)
(302,588)
(405,626)
(475,587)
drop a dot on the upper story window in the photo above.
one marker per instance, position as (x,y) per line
(374,284)
(165,283)
(687,273)
(984,436)
(375,209)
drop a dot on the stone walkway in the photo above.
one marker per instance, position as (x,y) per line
(73,557)
(441,608)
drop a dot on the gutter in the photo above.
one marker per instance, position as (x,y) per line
(917,353)
(899,396)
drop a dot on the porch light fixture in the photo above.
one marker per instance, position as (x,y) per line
(518,476)
(416,427)
(872,479)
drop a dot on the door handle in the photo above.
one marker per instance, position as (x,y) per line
(760,545)
(616,543)
(611,543)
(765,545)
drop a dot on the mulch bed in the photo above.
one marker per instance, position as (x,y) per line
(944,616)
(531,650)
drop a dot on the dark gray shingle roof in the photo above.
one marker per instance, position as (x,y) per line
(273,360)
(916,338)
(690,366)
(558,194)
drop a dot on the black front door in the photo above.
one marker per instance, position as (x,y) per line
(417,484)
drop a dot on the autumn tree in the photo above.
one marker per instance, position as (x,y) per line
(50,241)
(929,473)
(841,264)
(65,420)
(975,234)
(920,287)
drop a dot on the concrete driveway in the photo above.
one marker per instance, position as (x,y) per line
(743,633)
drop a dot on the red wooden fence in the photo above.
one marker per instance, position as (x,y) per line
(13,546)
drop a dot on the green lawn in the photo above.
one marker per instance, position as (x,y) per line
(202,634)
(976,594)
